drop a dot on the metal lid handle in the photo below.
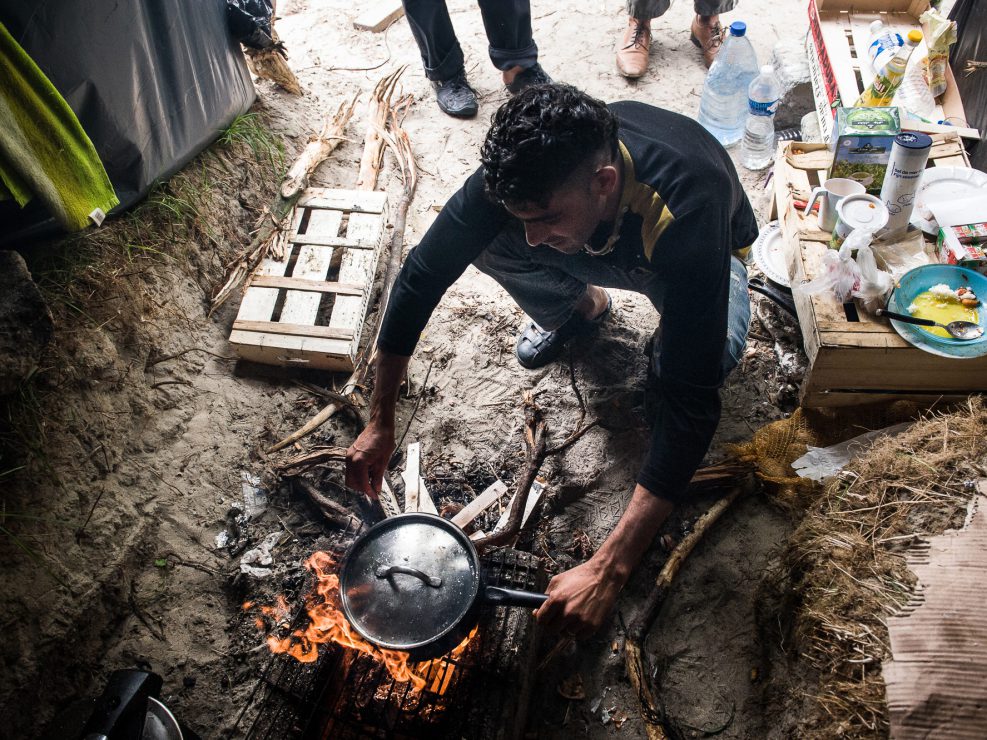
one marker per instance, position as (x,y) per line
(387,571)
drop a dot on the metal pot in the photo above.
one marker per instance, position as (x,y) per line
(413,583)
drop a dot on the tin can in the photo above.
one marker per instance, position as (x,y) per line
(860,211)
(909,155)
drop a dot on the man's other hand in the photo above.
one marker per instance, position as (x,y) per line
(580,600)
(367,458)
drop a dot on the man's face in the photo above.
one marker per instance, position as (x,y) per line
(572,213)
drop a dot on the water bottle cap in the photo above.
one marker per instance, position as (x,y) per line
(767,70)
(914,37)
(738,28)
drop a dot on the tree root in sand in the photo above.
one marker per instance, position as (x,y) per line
(655,718)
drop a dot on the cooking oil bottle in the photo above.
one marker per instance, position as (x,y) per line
(887,81)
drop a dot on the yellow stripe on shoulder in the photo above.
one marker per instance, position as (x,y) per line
(655,215)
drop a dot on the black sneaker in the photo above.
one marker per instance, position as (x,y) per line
(456,97)
(536,347)
(527,77)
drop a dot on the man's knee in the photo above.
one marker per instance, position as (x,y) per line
(738,316)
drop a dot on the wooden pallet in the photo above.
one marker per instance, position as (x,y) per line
(307,307)
(839,34)
(855,358)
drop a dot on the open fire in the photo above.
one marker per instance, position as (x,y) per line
(328,624)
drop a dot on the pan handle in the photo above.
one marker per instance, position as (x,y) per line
(782,299)
(388,571)
(511,597)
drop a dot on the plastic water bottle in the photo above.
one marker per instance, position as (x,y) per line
(886,82)
(758,147)
(723,105)
(883,44)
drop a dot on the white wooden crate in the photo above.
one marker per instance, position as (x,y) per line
(292,312)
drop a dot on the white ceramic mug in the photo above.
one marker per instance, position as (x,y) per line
(829,195)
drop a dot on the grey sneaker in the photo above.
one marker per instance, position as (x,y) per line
(456,97)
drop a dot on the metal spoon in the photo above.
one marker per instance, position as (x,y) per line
(956,329)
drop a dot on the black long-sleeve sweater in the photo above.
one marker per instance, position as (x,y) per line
(685,211)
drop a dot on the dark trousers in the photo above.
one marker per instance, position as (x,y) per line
(508,27)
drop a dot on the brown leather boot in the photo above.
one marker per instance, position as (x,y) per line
(632,56)
(707,34)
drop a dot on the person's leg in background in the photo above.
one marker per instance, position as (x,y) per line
(442,56)
(632,53)
(511,46)
(707,33)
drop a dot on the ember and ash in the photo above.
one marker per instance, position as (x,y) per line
(328,624)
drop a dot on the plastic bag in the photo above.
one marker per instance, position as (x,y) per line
(250,22)
(914,94)
(940,34)
(900,257)
(875,284)
(840,275)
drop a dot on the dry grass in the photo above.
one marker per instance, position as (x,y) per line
(111,288)
(846,560)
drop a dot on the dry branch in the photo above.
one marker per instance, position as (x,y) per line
(373,143)
(400,145)
(272,64)
(652,711)
(335,514)
(270,227)
(317,456)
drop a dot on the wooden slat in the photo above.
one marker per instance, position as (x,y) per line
(357,266)
(387,500)
(299,330)
(359,201)
(317,286)
(321,240)
(258,303)
(490,495)
(290,351)
(416,495)
(379,15)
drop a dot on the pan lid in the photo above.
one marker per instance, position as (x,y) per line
(409,580)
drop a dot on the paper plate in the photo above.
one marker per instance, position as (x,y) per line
(769,254)
(920,280)
(944,183)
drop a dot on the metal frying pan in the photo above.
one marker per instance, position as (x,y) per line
(413,583)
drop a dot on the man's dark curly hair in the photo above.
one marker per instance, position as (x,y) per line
(539,138)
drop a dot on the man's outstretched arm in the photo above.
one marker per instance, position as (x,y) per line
(580,600)
(367,457)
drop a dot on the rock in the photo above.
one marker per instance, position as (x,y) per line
(26,325)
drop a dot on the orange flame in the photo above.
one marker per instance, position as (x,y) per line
(327,624)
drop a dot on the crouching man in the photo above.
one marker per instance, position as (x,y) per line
(572,197)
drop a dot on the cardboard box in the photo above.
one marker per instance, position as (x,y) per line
(951,251)
(838,32)
(863,139)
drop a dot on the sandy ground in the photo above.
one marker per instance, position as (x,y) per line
(165,461)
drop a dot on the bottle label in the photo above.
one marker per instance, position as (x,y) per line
(762,109)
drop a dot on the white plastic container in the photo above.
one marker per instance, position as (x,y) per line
(909,155)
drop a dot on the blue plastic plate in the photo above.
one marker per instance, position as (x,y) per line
(920,280)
